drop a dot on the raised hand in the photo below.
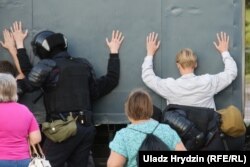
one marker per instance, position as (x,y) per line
(18,34)
(152,44)
(8,41)
(223,42)
(9,44)
(115,42)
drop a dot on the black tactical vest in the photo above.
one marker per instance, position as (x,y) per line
(71,91)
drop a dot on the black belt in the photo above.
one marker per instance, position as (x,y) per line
(82,116)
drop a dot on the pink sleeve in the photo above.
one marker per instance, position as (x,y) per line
(33,124)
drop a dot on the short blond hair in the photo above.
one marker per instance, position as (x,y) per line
(8,88)
(139,105)
(186,58)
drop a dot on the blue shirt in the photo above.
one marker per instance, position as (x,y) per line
(128,141)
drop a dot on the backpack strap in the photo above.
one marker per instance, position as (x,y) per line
(155,128)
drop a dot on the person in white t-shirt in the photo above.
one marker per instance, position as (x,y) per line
(189,89)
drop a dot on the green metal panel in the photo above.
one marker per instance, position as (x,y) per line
(180,23)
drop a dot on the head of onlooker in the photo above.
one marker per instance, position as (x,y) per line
(7,67)
(8,88)
(139,106)
(19,127)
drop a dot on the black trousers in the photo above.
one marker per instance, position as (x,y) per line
(73,151)
(233,143)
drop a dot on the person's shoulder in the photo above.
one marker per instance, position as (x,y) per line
(82,60)
(47,62)
(170,82)
(121,134)
(164,131)
(170,79)
(164,126)
(123,131)
(21,107)
(204,77)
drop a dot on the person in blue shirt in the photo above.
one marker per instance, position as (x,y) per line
(127,141)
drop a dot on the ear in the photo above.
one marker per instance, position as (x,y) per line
(195,65)
(130,119)
(178,66)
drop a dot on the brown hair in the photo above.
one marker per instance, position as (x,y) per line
(7,67)
(139,105)
(186,58)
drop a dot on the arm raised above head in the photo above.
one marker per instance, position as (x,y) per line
(225,78)
(115,43)
(18,34)
(223,42)
(152,44)
(9,44)
(106,83)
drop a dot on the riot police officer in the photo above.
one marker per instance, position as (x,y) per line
(69,85)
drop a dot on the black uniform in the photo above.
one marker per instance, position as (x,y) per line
(199,128)
(69,85)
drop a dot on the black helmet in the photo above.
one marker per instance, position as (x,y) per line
(47,43)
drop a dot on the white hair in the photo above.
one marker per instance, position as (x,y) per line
(8,88)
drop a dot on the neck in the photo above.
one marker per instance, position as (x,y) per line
(138,121)
(187,71)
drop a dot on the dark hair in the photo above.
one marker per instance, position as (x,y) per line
(8,67)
